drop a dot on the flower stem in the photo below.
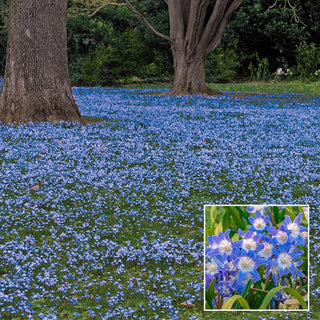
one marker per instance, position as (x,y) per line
(256,289)
(271,215)
(268,280)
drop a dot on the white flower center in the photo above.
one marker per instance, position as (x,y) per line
(284,260)
(225,247)
(214,246)
(295,230)
(266,251)
(259,224)
(249,244)
(282,237)
(246,264)
(212,267)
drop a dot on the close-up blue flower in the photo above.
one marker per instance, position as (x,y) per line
(284,260)
(298,233)
(259,261)
(221,244)
(250,241)
(280,236)
(248,264)
(259,223)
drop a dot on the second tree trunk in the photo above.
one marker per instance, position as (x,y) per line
(36,84)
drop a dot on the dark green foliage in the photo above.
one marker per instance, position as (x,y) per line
(85,35)
(223,63)
(308,62)
(120,62)
(116,47)
(265,32)
(258,68)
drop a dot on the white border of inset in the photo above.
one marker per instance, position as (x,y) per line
(204,257)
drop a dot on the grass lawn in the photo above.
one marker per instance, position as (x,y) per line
(263,87)
(272,87)
(105,220)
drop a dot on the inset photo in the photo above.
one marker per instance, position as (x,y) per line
(256,257)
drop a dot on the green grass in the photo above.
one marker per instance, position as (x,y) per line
(271,87)
(263,87)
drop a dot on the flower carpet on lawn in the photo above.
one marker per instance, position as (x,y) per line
(105,220)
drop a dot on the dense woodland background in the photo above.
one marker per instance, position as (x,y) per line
(114,47)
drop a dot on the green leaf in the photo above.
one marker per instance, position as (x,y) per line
(261,270)
(290,212)
(303,220)
(236,216)
(226,222)
(243,212)
(207,233)
(229,303)
(245,292)
(272,292)
(213,214)
(218,229)
(303,287)
(210,294)
(276,213)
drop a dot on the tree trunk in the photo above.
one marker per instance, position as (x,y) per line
(196,28)
(189,75)
(36,83)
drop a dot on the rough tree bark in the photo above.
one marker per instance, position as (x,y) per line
(196,28)
(36,83)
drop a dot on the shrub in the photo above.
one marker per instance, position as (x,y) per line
(259,68)
(91,65)
(120,62)
(223,63)
(156,67)
(308,62)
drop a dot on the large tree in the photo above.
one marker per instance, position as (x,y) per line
(36,83)
(196,28)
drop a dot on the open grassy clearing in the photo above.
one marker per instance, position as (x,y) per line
(105,220)
(262,87)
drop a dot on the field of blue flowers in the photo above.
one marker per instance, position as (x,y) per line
(105,220)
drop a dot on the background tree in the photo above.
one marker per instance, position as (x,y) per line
(266,31)
(36,84)
(3,34)
(261,37)
(196,28)
(114,47)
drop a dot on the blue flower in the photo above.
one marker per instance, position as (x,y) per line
(285,262)
(218,245)
(250,241)
(266,251)
(272,269)
(297,233)
(259,223)
(280,296)
(254,209)
(225,289)
(211,267)
(248,264)
(208,279)
(279,236)
(142,174)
